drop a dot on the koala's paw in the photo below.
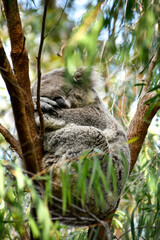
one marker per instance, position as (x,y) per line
(47,105)
(51,106)
(51,122)
(50,112)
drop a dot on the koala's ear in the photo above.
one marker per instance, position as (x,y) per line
(87,78)
(79,75)
(83,78)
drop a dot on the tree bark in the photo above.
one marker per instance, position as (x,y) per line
(139,126)
(18,106)
(21,69)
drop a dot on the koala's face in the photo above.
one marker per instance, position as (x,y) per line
(55,87)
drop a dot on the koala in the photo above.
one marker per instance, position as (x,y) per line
(76,120)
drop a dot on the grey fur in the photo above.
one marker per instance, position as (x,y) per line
(82,123)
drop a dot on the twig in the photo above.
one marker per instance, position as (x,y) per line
(151,67)
(140,227)
(60,54)
(15,221)
(11,140)
(42,126)
(145,67)
(56,25)
(115,237)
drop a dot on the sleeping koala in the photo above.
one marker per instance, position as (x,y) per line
(77,121)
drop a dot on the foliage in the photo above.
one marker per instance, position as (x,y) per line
(120,38)
(16,191)
(141,195)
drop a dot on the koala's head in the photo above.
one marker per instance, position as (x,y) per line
(77,94)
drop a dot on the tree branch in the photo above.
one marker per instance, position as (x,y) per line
(140,123)
(18,106)
(21,69)
(11,140)
(42,127)
(139,126)
(18,52)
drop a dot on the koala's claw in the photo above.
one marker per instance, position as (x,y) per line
(47,105)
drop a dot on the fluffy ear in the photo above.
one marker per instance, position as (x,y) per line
(86,78)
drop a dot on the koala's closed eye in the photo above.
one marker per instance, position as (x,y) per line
(61,102)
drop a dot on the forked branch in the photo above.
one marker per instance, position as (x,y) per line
(18,106)
(11,140)
(21,70)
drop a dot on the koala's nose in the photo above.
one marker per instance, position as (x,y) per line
(68,104)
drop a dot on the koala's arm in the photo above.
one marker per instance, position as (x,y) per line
(57,115)
(95,114)
(90,115)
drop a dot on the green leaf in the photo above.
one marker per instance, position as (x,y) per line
(114,180)
(132,221)
(94,170)
(132,140)
(48,187)
(64,192)
(34,228)
(154,88)
(43,219)
(2,188)
(126,166)
(20,179)
(140,84)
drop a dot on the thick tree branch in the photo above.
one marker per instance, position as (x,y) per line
(18,106)
(11,140)
(140,123)
(21,69)
(139,126)
(18,52)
